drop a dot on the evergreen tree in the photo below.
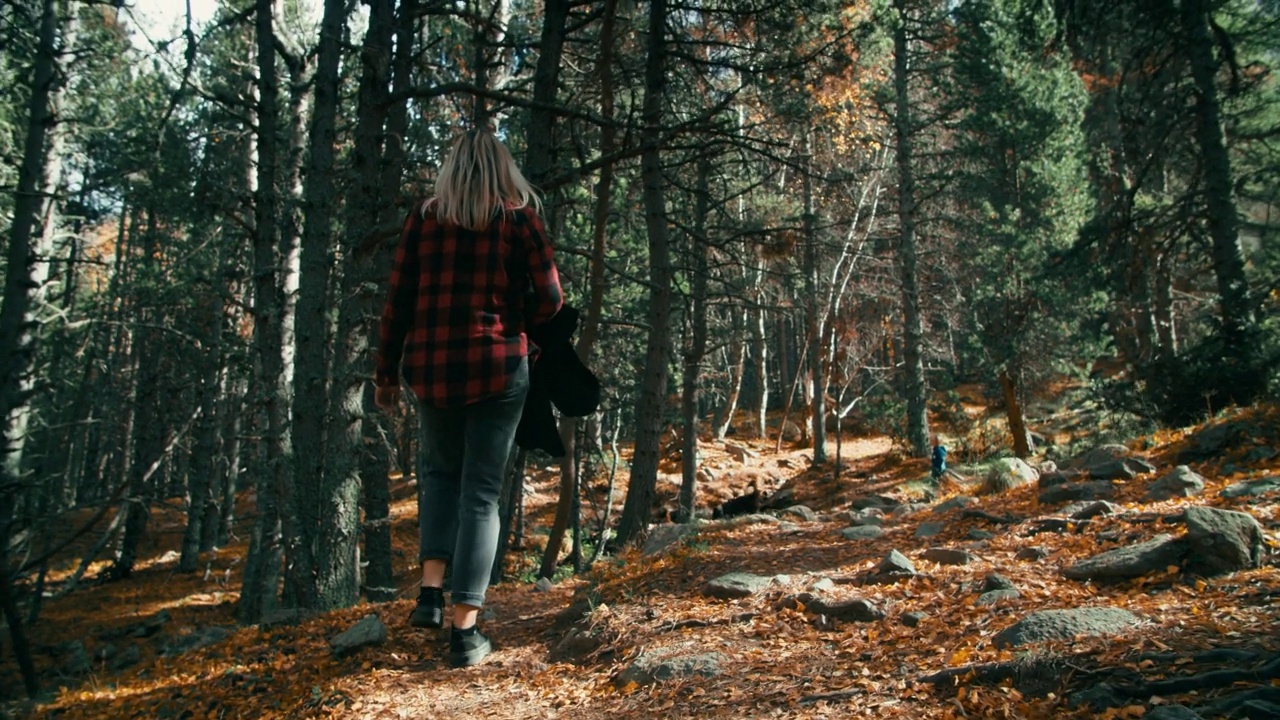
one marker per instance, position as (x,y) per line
(1023,187)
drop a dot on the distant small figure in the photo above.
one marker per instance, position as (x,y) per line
(939,459)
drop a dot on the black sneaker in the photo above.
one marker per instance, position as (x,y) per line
(468,647)
(429,612)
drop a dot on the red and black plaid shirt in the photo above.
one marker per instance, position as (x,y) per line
(454,322)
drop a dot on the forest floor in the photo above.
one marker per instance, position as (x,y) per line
(566,652)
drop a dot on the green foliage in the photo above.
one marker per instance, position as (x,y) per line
(1183,389)
(1022,180)
(886,413)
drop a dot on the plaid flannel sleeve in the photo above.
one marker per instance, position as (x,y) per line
(402,299)
(542,270)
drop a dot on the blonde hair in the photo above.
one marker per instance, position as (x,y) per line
(478,179)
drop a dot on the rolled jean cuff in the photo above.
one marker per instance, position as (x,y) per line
(466,598)
(426,555)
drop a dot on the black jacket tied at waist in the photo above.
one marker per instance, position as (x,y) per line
(558,378)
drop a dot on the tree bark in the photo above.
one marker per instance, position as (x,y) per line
(759,346)
(692,361)
(737,366)
(915,383)
(538,163)
(653,386)
(310,572)
(1224,224)
(379,579)
(813,314)
(262,568)
(1013,412)
(336,539)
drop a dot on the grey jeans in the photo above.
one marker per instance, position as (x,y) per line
(462,456)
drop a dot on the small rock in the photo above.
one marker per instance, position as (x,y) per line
(1092,510)
(801,511)
(948,556)
(1251,488)
(1053,525)
(895,562)
(543,585)
(865,502)
(171,556)
(203,637)
(996,581)
(1008,473)
(1125,563)
(911,508)
(130,657)
(281,617)
(956,503)
(1222,541)
(1182,481)
(740,453)
(1091,490)
(78,661)
(1261,455)
(823,585)
(576,645)
(870,520)
(1065,625)
(1058,477)
(651,668)
(1121,469)
(1098,456)
(914,618)
(368,631)
(791,432)
(864,532)
(151,625)
(1173,712)
(665,536)
(993,597)
(930,529)
(1034,553)
(789,527)
(735,585)
(976,534)
(1210,442)
(752,519)
(854,610)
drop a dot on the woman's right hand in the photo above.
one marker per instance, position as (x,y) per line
(387,399)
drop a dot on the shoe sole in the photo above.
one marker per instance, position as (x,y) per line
(472,656)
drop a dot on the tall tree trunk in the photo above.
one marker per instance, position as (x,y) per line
(337,559)
(379,580)
(653,385)
(539,163)
(692,365)
(202,483)
(916,386)
(1013,413)
(262,568)
(1166,323)
(813,314)
(312,503)
(148,415)
(737,366)
(1224,224)
(760,346)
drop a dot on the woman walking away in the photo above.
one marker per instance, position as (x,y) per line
(474,265)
